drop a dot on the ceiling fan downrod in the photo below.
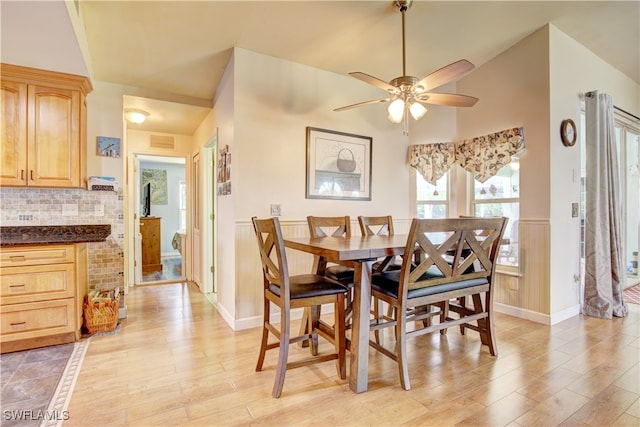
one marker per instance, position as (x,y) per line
(403,6)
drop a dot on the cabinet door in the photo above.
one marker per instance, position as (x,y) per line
(53,137)
(13,134)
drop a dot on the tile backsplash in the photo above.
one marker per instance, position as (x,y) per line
(51,206)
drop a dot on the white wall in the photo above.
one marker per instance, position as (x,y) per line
(514,92)
(573,70)
(536,84)
(263,118)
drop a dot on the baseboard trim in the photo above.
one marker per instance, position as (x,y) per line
(256,321)
(535,316)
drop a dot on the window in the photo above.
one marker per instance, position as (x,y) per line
(627,134)
(500,196)
(432,201)
(183,204)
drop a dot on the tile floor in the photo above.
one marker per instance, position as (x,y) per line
(29,379)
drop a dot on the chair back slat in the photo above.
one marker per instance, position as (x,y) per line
(335,226)
(368,225)
(272,253)
(452,249)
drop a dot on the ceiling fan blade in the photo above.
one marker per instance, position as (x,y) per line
(446,74)
(448,99)
(360,104)
(373,81)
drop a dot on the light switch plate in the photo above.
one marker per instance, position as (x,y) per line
(574,210)
(275,210)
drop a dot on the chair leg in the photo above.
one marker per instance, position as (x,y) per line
(443,315)
(283,354)
(339,337)
(265,334)
(463,303)
(401,349)
(377,310)
(487,336)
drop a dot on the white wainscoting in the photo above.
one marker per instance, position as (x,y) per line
(528,292)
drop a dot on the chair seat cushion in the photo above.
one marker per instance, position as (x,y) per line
(310,285)
(340,273)
(387,283)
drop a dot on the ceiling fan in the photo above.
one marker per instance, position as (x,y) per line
(407,94)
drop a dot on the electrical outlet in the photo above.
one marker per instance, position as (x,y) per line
(275,210)
(99,209)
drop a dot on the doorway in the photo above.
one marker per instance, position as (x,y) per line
(161,210)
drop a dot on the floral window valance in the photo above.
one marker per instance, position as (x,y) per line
(483,156)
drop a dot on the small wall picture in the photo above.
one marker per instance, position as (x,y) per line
(224,171)
(108,146)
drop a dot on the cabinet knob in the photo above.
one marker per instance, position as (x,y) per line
(22,174)
(31,171)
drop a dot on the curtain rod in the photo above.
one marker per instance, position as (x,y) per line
(626,112)
(590,94)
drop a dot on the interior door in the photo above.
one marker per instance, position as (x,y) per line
(210,189)
(196,232)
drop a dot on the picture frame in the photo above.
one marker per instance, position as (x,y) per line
(108,146)
(338,165)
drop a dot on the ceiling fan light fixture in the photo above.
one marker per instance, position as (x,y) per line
(135,116)
(406,94)
(417,110)
(396,110)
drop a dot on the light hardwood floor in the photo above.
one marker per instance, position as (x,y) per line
(176,362)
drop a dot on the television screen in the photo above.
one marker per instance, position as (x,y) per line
(146,199)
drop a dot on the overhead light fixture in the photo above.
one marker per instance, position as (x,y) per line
(407,94)
(135,116)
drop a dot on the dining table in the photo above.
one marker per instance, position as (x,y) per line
(359,252)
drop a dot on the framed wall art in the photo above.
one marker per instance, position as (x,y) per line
(108,146)
(224,171)
(338,165)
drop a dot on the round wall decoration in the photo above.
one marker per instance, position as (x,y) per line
(568,132)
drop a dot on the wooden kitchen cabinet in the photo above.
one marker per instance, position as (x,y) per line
(151,244)
(43,128)
(42,289)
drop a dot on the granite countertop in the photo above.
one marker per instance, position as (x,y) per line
(52,234)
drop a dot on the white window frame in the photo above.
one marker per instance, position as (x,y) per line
(433,202)
(473,202)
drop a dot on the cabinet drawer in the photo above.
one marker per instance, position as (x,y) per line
(50,254)
(36,283)
(22,321)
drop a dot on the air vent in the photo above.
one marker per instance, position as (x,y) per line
(162,141)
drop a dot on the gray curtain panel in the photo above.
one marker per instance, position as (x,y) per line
(604,264)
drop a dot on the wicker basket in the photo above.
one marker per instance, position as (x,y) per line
(101,314)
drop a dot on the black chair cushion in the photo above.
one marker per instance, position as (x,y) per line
(340,273)
(310,285)
(387,283)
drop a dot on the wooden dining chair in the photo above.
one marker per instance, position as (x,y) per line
(334,226)
(377,226)
(439,279)
(295,291)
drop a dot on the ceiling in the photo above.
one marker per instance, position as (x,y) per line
(177,50)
